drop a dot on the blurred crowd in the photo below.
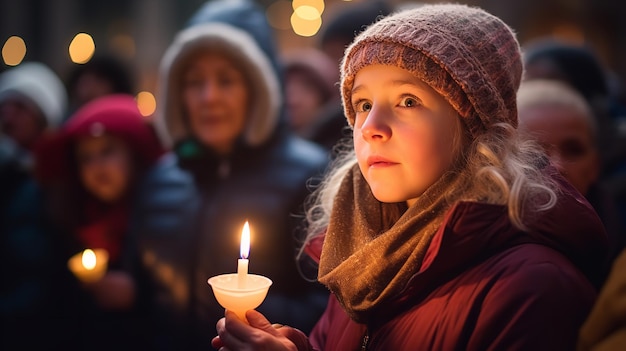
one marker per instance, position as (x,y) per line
(242,132)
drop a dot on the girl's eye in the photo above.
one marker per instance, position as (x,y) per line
(409,101)
(362,106)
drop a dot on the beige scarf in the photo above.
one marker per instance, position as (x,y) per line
(372,249)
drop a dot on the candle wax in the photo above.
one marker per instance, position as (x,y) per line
(242,272)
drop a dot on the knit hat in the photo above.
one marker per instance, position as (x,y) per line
(113,114)
(39,85)
(465,54)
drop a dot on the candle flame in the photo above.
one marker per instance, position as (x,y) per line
(89,259)
(244,249)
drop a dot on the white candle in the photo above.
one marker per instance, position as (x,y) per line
(244,251)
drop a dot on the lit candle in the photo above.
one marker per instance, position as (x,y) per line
(244,251)
(88,259)
(90,265)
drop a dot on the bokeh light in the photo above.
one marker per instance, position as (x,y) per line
(146,103)
(307,12)
(82,48)
(316,4)
(13,51)
(305,27)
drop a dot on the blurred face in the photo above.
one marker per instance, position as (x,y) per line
(105,166)
(405,134)
(21,122)
(303,100)
(567,138)
(216,100)
(90,86)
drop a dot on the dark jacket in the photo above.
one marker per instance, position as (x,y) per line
(195,203)
(26,293)
(485,285)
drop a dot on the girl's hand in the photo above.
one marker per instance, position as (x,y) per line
(260,335)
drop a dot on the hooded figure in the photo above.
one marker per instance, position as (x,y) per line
(234,160)
(33,99)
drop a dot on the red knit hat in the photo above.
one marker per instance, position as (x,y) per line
(467,55)
(115,114)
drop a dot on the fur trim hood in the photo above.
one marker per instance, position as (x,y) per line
(38,85)
(218,27)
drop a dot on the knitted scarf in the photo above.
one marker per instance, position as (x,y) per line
(370,253)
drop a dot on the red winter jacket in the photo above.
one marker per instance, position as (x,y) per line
(485,285)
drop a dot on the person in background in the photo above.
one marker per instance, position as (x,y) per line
(605,327)
(32,103)
(310,78)
(580,67)
(234,159)
(561,120)
(90,170)
(104,74)
(444,229)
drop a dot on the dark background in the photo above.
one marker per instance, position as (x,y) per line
(47,26)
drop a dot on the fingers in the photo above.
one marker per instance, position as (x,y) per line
(227,330)
(257,320)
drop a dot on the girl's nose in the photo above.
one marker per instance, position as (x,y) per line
(376,126)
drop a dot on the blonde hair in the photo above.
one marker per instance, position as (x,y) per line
(506,169)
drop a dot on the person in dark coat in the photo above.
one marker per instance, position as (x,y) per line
(32,103)
(89,171)
(444,229)
(234,160)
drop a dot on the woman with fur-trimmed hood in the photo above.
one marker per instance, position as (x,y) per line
(234,160)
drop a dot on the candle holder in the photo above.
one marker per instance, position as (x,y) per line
(239,299)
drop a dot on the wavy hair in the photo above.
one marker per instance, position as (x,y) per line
(506,168)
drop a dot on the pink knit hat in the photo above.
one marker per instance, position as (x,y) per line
(467,55)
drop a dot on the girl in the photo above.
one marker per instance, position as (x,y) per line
(443,230)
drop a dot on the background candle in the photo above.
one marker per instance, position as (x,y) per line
(90,265)
(244,251)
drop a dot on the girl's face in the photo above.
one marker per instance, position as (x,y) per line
(105,166)
(216,99)
(405,134)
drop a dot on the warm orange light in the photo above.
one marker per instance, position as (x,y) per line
(306,27)
(89,259)
(146,103)
(316,4)
(82,48)
(13,51)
